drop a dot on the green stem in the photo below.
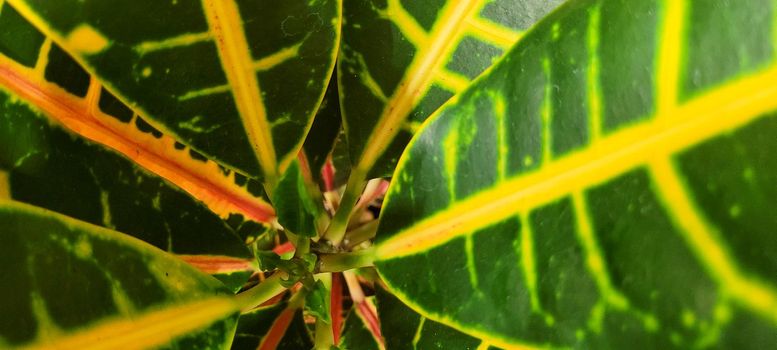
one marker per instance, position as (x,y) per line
(302,246)
(262,292)
(324,338)
(353,189)
(345,261)
(361,234)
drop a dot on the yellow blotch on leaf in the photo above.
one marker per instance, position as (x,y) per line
(83,249)
(87,40)
(5,187)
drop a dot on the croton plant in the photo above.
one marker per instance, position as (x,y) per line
(388,174)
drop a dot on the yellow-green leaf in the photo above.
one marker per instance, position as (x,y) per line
(610,182)
(72,285)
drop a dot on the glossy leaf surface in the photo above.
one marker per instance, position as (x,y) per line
(41,73)
(69,285)
(298,201)
(278,326)
(608,184)
(320,141)
(238,80)
(48,166)
(404,328)
(400,60)
(356,333)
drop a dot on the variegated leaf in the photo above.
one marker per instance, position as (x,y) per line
(41,73)
(298,201)
(320,141)
(358,332)
(45,164)
(277,326)
(609,183)
(238,80)
(71,285)
(400,60)
(404,328)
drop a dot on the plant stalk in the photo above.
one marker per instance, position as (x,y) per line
(270,287)
(345,261)
(353,189)
(361,234)
(301,245)
(324,338)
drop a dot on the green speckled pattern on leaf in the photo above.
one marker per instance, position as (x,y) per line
(67,282)
(49,167)
(608,184)
(401,60)
(238,80)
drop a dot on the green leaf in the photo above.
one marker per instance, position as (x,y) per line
(269,261)
(610,182)
(69,284)
(47,166)
(278,326)
(320,141)
(40,117)
(341,160)
(401,326)
(317,302)
(297,269)
(239,81)
(296,204)
(400,60)
(356,334)
(254,325)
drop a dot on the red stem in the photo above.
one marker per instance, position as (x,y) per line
(278,329)
(283,248)
(337,306)
(372,319)
(328,175)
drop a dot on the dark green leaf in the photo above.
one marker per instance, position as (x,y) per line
(69,284)
(401,60)
(608,184)
(356,334)
(298,202)
(253,326)
(317,302)
(281,325)
(49,167)
(323,133)
(402,327)
(238,80)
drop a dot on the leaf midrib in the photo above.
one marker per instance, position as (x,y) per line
(417,78)
(225,23)
(729,106)
(85,121)
(147,330)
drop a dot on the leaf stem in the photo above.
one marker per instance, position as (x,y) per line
(361,234)
(262,292)
(353,189)
(324,338)
(302,246)
(344,261)
(363,306)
